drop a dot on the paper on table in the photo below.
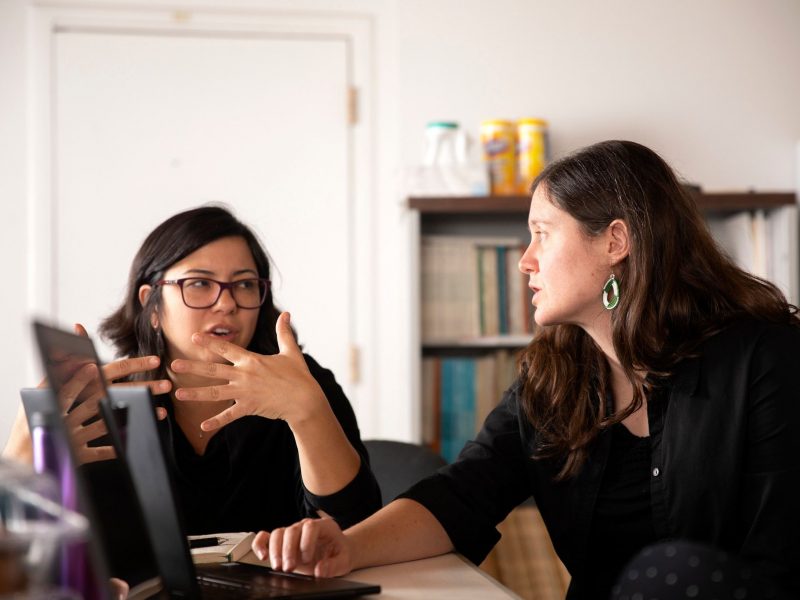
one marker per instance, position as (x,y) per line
(233,547)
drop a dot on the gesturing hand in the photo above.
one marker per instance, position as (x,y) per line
(279,386)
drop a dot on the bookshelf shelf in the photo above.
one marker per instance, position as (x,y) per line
(489,342)
(509,205)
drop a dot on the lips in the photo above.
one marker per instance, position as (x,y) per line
(223,332)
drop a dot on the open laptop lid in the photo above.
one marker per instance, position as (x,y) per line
(130,416)
(106,495)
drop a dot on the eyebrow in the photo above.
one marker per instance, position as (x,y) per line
(207,272)
(533,222)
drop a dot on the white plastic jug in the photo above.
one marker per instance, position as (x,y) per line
(446,144)
(447,169)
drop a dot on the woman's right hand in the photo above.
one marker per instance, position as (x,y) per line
(19,446)
(311,546)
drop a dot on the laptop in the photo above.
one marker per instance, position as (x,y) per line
(129,415)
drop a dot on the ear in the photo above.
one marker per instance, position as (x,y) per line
(618,241)
(144,294)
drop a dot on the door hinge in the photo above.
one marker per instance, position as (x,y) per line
(352,105)
(355,364)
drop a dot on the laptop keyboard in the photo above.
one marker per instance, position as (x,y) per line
(220,588)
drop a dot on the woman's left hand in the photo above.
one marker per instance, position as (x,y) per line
(278,386)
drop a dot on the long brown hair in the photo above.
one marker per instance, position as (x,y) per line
(129,328)
(678,288)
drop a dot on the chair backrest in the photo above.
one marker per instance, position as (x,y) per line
(399,465)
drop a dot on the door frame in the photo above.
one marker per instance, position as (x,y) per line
(216,18)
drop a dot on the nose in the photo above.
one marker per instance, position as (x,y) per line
(225,302)
(528,263)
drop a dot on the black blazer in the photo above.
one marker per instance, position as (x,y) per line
(725,437)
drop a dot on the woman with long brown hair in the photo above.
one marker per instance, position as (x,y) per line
(656,404)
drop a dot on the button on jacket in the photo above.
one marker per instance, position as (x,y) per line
(725,441)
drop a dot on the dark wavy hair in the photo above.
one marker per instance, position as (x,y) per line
(677,289)
(129,328)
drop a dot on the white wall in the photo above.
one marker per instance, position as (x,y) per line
(13,194)
(711,85)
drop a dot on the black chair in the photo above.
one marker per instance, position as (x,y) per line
(399,465)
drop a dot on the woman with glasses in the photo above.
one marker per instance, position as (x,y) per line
(260,434)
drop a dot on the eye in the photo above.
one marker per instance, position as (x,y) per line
(246,284)
(197,283)
(538,235)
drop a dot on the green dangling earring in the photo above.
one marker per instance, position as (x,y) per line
(611,293)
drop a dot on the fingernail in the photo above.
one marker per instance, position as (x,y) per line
(164,385)
(153,362)
(260,555)
(180,394)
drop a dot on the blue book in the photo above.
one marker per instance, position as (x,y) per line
(447,410)
(458,405)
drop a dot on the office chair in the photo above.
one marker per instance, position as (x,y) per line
(399,465)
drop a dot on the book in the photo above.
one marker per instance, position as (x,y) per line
(229,547)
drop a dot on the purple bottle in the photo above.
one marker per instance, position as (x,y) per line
(51,456)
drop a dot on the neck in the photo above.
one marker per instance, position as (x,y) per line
(621,386)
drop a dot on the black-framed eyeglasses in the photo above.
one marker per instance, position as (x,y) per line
(202,292)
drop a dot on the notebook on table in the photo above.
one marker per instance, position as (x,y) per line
(129,414)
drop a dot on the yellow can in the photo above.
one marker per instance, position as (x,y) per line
(499,141)
(532,152)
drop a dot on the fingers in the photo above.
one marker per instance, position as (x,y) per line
(128,366)
(82,413)
(229,351)
(309,535)
(211,393)
(203,369)
(161,413)
(291,547)
(222,419)
(83,435)
(286,342)
(80,330)
(88,454)
(72,389)
(157,386)
(260,544)
(294,548)
(276,549)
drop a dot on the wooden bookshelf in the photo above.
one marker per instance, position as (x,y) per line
(715,202)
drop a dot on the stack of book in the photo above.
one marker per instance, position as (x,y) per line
(458,392)
(472,288)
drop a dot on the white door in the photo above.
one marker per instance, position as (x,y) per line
(146,125)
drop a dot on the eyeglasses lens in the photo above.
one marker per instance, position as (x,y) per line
(202,293)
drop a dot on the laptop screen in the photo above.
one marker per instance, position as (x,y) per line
(105,490)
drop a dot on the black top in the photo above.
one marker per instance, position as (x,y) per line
(724,468)
(249,477)
(622,510)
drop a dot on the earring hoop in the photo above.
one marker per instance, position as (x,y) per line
(611,293)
